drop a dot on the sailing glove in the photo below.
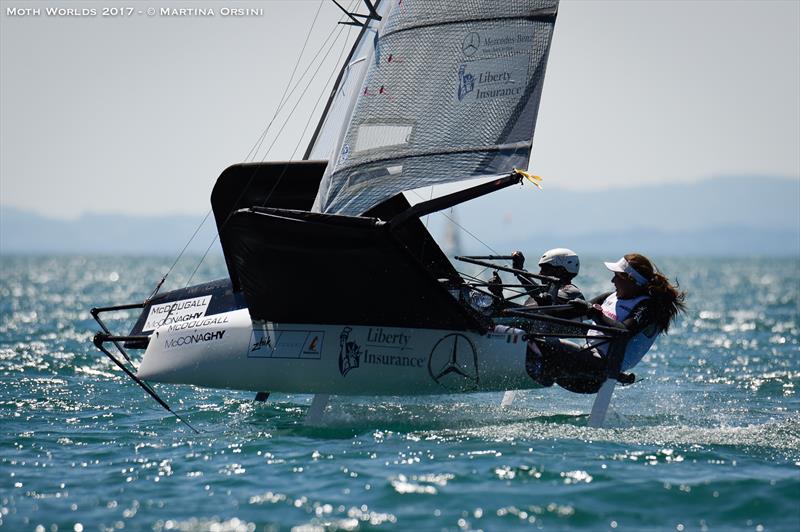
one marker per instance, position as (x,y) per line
(583,306)
(517,260)
(496,285)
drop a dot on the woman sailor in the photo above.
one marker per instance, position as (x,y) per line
(643,306)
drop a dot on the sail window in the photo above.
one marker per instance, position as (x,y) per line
(373,136)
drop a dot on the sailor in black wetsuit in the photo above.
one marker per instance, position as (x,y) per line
(561,263)
(643,306)
(564,265)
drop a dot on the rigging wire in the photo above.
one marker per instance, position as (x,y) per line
(164,277)
(281,104)
(324,46)
(428,218)
(337,31)
(442,213)
(484,244)
(257,146)
(285,122)
(322,93)
(310,117)
(302,94)
(310,81)
(277,136)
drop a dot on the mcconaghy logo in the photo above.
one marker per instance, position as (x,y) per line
(190,339)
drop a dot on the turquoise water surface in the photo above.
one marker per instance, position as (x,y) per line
(708,440)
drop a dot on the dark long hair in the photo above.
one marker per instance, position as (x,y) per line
(669,299)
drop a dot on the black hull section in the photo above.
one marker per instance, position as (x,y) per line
(282,185)
(303,267)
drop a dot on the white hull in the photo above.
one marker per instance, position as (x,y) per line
(230,351)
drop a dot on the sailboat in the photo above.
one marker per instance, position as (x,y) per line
(335,286)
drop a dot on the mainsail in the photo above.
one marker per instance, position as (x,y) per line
(451,92)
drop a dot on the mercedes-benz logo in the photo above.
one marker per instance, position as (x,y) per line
(471,43)
(454,363)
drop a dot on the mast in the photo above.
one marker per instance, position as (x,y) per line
(370,21)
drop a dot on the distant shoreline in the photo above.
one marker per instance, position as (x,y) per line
(734,216)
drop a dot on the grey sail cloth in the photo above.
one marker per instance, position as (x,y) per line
(451,93)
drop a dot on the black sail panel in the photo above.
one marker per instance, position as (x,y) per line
(285,185)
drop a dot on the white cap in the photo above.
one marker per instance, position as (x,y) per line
(622,266)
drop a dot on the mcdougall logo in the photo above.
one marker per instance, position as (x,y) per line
(197,323)
(176,312)
(180,305)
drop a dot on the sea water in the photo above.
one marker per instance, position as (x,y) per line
(708,439)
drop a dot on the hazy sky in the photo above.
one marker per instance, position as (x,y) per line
(140,114)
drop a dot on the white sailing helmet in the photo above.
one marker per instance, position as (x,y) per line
(562,257)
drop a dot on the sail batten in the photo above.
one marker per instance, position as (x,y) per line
(541,15)
(451,93)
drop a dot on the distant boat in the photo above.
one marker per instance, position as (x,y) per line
(335,286)
(452,235)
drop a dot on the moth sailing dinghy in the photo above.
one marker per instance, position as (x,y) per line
(433,92)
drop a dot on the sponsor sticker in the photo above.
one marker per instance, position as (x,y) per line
(220,319)
(267,342)
(453,363)
(176,312)
(193,338)
(345,153)
(471,43)
(383,347)
(490,79)
(496,42)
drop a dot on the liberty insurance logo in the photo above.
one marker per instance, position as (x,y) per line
(466,82)
(349,352)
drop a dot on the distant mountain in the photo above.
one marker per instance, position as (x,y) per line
(736,216)
(720,241)
(25,232)
(721,216)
